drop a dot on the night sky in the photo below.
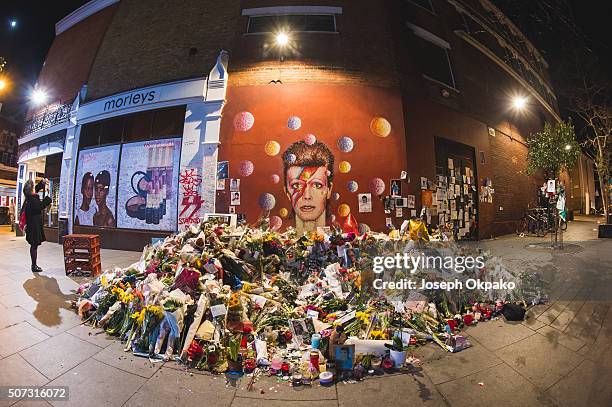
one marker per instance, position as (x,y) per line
(25,46)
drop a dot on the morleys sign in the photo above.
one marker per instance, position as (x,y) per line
(133,99)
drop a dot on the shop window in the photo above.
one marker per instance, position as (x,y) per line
(138,126)
(168,122)
(90,135)
(112,131)
(296,23)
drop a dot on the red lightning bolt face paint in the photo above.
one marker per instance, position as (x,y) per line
(308,189)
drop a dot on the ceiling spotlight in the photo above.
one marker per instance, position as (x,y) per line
(519,102)
(38,97)
(282,39)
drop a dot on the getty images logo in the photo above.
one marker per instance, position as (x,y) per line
(133,99)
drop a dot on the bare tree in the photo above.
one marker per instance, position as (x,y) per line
(591,100)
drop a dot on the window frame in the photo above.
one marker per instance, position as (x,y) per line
(424,35)
(295,31)
(432,11)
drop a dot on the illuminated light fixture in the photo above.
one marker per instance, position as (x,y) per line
(282,39)
(13,23)
(568,147)
(2,84)
(519,102)
(38,97)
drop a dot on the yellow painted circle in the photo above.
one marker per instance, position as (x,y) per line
(272,148)
(283,212)
(344,167)
(344,210)
(379,126)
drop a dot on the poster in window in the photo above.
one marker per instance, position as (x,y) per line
(148,185)
(96,187)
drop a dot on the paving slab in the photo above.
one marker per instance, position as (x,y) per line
(496,386)
(12,316)
(16,371)
(496,334)
(58,354)
(275,388)
(587,385)
(92,335)
(450,366)
(537,359)
(169,387)
(19,337)
(246,402)
(557,337)
(93,383)
(395,390)
(32,403)
(51,320)
(113,355)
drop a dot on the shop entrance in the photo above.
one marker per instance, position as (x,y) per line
(457,177)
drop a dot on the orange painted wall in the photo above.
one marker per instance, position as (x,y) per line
(327,111)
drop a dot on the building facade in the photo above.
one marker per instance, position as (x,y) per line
(309,113)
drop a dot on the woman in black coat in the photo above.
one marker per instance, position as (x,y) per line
(34,208)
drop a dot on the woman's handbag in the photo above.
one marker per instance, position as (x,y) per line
(22,219)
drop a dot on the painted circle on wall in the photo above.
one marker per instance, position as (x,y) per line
(291,158)
(294,123)
(246,168)
(344,167)
(352,186)
(267,201)
(379,126)
(344,210)
(363,228)
(345,144)
(310,139)
(272,148)
(243,121)
(377,186)
(336,196)
(275,178)
(275,223)
(283,212)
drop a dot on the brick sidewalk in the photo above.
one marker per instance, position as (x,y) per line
(559,356)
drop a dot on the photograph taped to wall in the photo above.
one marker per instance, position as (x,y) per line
(401,202)
(365,202)
(395,187)
(223,170)
(96,187)
(235,184)
(229,218)
(235,198)
(410,201)
(221,185)
(148,185)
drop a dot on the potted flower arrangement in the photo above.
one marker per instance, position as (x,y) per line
(398,351)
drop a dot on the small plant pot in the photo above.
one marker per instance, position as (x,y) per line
(399,358)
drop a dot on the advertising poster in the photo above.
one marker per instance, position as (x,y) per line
(96,187)
(148,185)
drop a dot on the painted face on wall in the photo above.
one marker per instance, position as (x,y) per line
(88,189)
(308,190)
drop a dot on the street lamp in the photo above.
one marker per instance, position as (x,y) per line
(38,97)
(519,102)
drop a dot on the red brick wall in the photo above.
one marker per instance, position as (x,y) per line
(71,55)
(328,112)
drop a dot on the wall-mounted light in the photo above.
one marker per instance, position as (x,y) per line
(282,39)
(519,102)
(38,97)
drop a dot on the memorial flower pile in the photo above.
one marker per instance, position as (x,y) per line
(235,300)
